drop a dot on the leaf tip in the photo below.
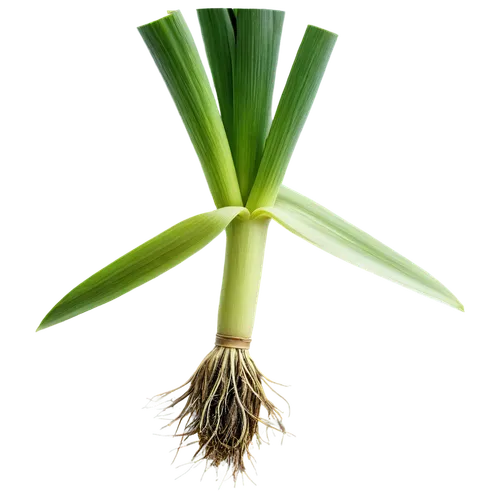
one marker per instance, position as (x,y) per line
(37,329)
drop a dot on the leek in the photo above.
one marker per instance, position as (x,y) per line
(244,154)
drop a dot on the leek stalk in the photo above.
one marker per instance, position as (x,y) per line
(245,245)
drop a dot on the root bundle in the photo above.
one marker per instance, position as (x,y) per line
(222,409)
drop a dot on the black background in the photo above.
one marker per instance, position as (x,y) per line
(364,360)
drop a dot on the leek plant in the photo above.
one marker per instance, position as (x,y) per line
(244,154)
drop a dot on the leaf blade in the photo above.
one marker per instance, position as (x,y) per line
(257,48)
(322,228)
(174,52)
(296,101)
(218,37)
(149,260)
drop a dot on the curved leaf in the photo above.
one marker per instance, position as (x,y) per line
(322,228)
(146,262)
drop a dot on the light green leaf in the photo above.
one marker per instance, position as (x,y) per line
(293,108)
(322,228)
(173,49)
(146,262)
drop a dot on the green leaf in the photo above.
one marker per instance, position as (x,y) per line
(146,262)
(218,36)
(293,108)
(258,35)
(174,52)
(322,228)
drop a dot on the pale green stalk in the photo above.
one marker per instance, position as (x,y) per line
(246,241)
(174,52)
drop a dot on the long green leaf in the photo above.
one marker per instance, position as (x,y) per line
(218,37)
(322,228)
(173,49)
(293,108)
(258,35)
(146,262)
